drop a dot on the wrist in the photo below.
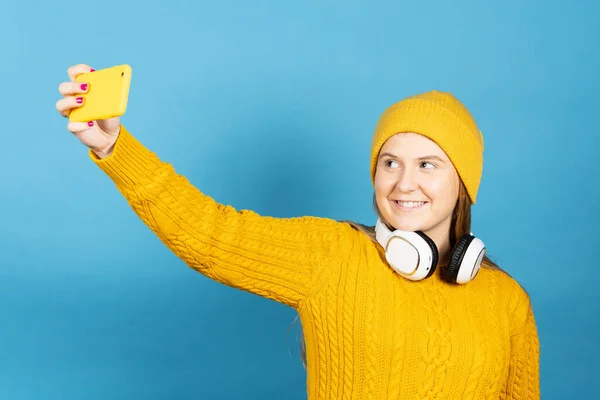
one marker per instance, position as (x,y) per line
(105,152)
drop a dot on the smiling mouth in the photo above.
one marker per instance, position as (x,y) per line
(409,205)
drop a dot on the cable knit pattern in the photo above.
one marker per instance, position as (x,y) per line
(496,351)
(523,381)
(370,334)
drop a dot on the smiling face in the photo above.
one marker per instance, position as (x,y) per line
(416,186)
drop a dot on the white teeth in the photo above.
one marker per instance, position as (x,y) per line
(411,204)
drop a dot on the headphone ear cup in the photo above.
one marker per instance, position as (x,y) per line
(456,258)
(434,252)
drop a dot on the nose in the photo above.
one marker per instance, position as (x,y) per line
(407,180)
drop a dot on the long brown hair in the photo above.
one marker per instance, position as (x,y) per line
(460,225)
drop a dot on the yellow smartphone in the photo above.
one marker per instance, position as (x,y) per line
(107,95)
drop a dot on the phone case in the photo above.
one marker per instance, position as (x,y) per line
(107,95)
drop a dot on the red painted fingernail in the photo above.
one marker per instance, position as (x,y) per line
(91,123)
(92,70)
(84,86)
(80,100)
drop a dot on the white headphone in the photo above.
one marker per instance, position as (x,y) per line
(415,256)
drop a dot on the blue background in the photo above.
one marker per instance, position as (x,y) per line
(270,106)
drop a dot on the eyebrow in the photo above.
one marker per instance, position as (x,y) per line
(430,157)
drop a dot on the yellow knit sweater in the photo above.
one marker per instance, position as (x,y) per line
(370,334)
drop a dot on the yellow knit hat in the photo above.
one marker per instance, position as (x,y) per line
(443,119)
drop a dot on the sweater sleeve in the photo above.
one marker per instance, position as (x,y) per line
(524,373)
(277,258)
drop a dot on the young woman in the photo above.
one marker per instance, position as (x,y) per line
(396,311)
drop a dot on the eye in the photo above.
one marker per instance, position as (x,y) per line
(388,163)
(427,165)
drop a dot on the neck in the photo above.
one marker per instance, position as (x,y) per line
(443,250)
(441,238)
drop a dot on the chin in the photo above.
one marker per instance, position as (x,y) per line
(410,224)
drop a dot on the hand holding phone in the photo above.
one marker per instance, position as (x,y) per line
(94,101)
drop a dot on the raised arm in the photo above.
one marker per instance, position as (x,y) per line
(281,259)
